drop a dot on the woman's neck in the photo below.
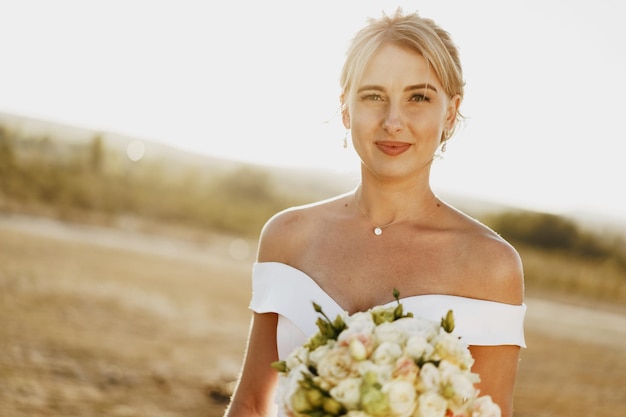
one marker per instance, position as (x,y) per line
(392,202)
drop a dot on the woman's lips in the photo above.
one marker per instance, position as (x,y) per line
(392,148)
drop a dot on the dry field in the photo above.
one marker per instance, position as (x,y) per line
(101,322)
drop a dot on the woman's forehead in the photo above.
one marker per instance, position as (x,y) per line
(396,64)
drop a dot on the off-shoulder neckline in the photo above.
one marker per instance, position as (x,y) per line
(314,283)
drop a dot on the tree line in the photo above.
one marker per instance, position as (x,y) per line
(72,179)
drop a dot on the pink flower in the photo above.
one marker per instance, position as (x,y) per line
(406,369)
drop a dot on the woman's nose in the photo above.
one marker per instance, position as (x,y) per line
(392,121)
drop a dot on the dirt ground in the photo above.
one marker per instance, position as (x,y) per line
(108,322)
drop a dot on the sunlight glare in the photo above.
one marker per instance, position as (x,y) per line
(135,150)
(239,249)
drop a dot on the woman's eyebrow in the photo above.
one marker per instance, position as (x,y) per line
(370,87)
(420,87)
(408,88)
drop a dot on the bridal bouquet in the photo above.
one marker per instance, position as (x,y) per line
(381,363)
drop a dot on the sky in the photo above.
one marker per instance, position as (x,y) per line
(257,81)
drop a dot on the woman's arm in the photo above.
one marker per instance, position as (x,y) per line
(497,367)
(254,392)
(503,281)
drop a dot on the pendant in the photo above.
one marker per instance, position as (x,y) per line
(378,231)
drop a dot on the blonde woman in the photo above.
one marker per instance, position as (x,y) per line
(402,88)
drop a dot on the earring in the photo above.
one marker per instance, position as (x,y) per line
(345,140)
(444,140)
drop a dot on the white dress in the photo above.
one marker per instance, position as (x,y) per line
(289,292)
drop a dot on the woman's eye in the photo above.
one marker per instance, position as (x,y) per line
(419,98)
(372,97)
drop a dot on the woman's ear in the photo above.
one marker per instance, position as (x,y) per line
(453,109)
(345,113)
(345,117)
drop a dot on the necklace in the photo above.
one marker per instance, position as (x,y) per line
(378,230)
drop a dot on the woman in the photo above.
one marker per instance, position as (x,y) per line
(401,91)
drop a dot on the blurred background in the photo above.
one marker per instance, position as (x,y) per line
(144,144)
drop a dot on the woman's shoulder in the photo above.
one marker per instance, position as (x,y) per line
(300,217)
(494,264)
(287,231)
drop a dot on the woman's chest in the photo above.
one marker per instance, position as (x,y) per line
(359,275)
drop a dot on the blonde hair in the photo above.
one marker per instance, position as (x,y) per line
(421,35)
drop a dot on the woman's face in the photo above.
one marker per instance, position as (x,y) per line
(397,113)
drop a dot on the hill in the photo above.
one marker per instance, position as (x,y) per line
(29,129)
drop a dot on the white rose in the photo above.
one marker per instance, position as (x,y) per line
(402,397)
(446,345)
(336,365)
(464,358)
(390,332)
(462,387)
(358,324)
(485,407)
(450,347)
(348,392)
(386,353)
(315,356)
(297,357)
(448,369)
(430,404)
(429,377)
(458,383)
(417,347)
(416,326)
